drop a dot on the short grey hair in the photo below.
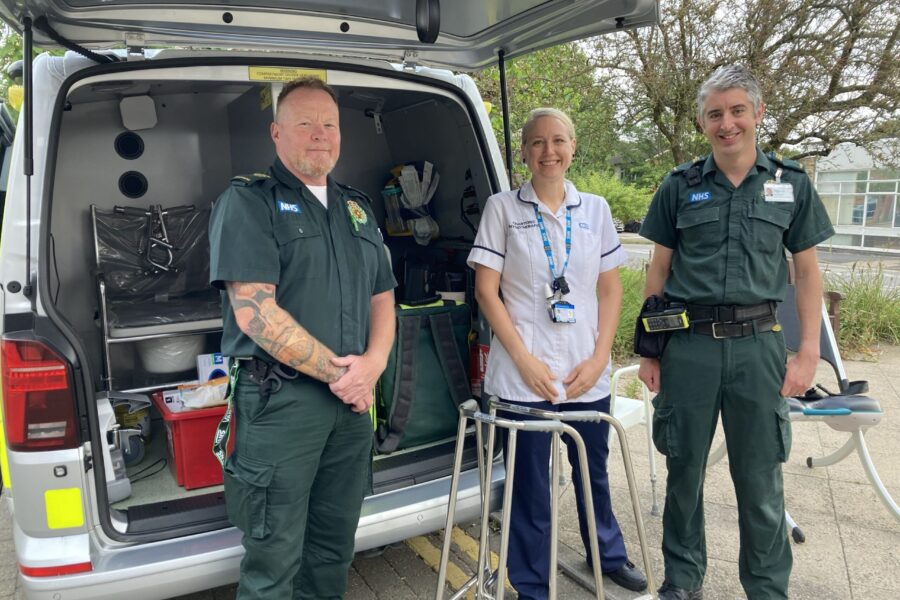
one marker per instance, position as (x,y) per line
(537,113)
(729,77)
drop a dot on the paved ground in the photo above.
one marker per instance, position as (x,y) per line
(852,548)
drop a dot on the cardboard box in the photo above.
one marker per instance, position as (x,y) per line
(212,366)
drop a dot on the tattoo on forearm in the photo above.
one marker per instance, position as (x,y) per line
(278,333)
(257,326)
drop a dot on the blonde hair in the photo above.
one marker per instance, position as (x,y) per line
(538,113)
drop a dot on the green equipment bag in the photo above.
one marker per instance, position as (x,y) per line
(425,379)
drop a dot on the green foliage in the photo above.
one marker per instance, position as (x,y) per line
(633,281)
(10,52)
(562,77)
(627,202)
(870,311)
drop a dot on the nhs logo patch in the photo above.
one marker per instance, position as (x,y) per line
(287,207)
(700,196)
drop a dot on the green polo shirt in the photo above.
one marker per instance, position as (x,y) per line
(729,242)
(326,264)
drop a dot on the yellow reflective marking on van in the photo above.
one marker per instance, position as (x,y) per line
(4,457)
(284,74)
(64,508)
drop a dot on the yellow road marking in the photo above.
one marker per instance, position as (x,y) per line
(469,545)
(431,556)
(456,577)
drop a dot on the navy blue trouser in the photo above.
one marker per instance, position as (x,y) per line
(529,525)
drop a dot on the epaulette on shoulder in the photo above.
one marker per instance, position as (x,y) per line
(697,160)
(778,159)
(691,170)
(250,179)
(354,192)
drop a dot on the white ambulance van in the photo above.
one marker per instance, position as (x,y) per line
(124,142)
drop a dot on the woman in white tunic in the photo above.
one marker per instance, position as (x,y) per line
(554,254)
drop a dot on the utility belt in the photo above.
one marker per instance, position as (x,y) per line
(732,321)
(660,317)
(270,376)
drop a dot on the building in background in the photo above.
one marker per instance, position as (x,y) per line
(860,192)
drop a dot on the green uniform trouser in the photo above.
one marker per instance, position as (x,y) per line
(294,486)
(741,378)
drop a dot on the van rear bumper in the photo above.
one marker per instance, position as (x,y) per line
(153,571)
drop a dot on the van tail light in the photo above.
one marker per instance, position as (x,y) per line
(38,399)
(56,571)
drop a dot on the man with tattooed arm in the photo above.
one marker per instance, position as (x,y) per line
(308,311)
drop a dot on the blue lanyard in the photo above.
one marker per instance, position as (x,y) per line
(547,249)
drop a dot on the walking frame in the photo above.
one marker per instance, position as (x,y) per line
(491,585)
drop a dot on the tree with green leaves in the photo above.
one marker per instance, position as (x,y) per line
(627,202)
(829,70)
(562,77)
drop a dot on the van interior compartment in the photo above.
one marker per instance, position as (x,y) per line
(161,138)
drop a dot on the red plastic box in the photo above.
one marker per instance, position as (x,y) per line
(190,437)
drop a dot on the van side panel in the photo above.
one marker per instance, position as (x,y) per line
(36,473)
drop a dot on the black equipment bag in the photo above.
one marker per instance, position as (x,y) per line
(426,376)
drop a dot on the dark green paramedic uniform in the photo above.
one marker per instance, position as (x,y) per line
(728,249)
(295,481)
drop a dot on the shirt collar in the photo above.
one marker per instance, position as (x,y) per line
(762,163)
(285,177)
(527,195)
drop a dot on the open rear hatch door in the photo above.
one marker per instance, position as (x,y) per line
(468,33)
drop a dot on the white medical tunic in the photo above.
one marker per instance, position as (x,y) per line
(509,241)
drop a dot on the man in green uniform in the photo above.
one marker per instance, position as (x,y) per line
(721,225)
(309,313)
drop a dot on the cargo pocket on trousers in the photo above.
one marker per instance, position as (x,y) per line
(664,431)
(783,424)
(246,494)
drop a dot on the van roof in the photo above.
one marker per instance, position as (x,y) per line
(470,31)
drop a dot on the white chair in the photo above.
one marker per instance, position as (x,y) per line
(631,412)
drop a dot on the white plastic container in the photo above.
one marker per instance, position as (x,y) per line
(170,354)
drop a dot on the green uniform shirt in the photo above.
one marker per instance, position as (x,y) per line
(325,264)
(729,242)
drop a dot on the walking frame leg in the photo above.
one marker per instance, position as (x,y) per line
(451,506)
(589,515)
(484,565)
(635,502)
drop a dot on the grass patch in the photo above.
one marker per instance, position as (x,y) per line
(632,299)
(870,311)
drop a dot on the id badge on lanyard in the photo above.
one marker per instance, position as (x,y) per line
(560,310)
(776,191)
